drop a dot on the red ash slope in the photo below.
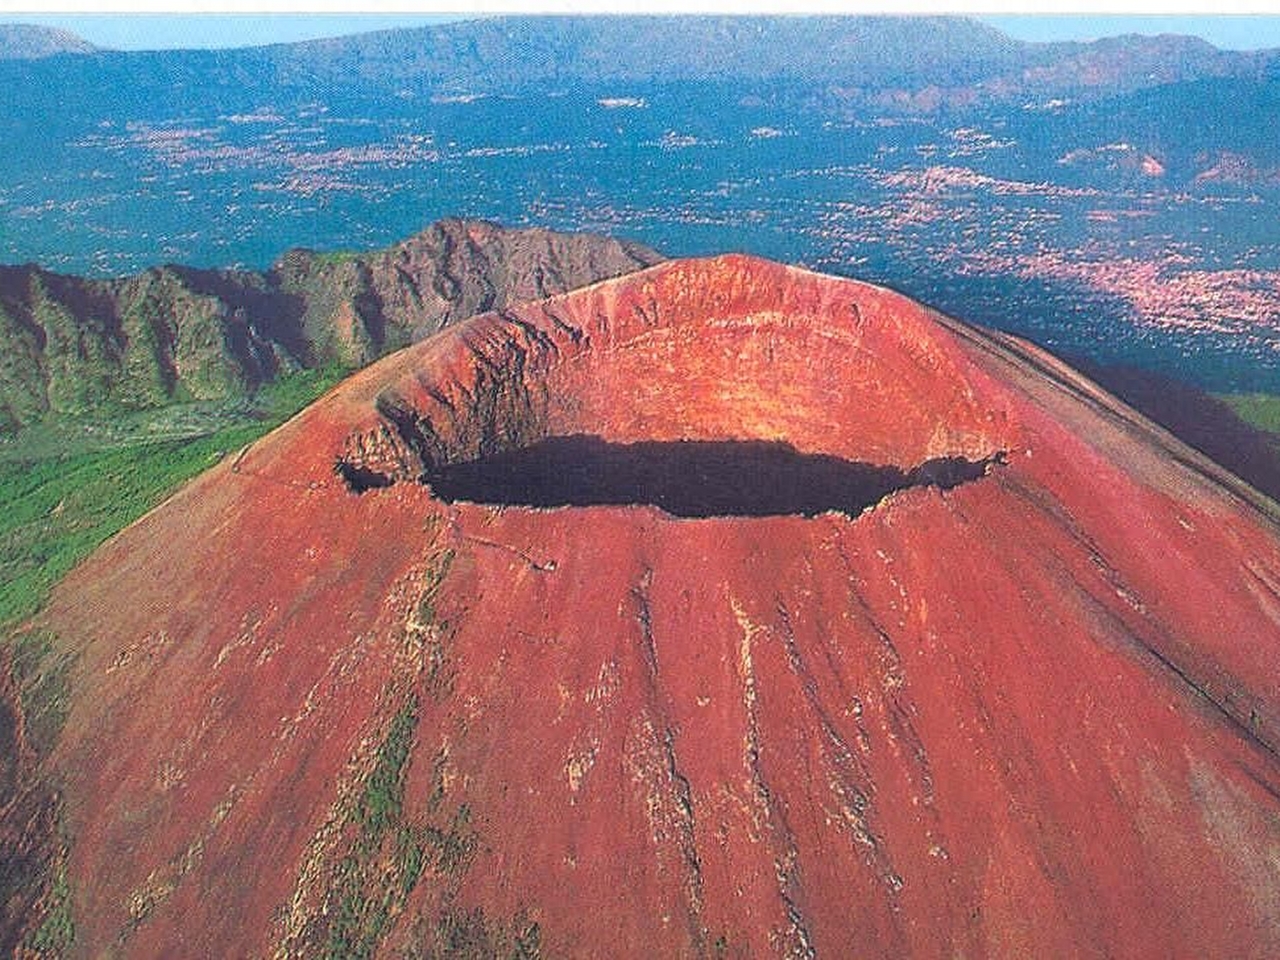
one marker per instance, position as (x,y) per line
(1031,711)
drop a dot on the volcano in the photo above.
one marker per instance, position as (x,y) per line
(722,609)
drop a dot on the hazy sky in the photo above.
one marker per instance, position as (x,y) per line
(153,31)
(1233,32)
(127,31)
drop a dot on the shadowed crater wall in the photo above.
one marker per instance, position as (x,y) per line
(748,478)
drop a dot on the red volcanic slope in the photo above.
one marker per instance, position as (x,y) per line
(1033,714)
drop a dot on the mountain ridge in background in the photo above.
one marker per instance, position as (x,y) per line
(72,346)
(23,41)
(963,57)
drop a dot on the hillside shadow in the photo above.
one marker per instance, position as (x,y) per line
(259,315)
(691,479)
(1197,419)
(1096,333)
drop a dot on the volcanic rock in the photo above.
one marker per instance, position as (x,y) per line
(722,609)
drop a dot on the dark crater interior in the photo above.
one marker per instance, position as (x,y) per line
(687,478)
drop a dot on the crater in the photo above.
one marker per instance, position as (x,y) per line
(690,479)
(360,478)
(722,388)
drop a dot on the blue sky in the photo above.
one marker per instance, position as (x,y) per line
(151,30)
(1232,32)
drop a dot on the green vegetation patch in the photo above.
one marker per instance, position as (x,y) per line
(56,512)
(56,509)
(392,851)
(284,397)
(1260,410)
(35,897)
(57,932)
(433,579)
(42,673)
(35,894)
(373,881)
(470,935)
(381,803)
(435,633)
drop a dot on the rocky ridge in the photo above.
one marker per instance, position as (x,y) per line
(72,345)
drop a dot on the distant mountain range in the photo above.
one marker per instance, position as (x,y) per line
(928,61)
(26,41)
(69,345)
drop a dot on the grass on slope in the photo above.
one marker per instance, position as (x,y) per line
(1260,410)
(55,508)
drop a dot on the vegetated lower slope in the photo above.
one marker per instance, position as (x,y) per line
(1023,704)
(69,345)
(66,487)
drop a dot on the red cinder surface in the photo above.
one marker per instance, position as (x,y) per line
(1034,714)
